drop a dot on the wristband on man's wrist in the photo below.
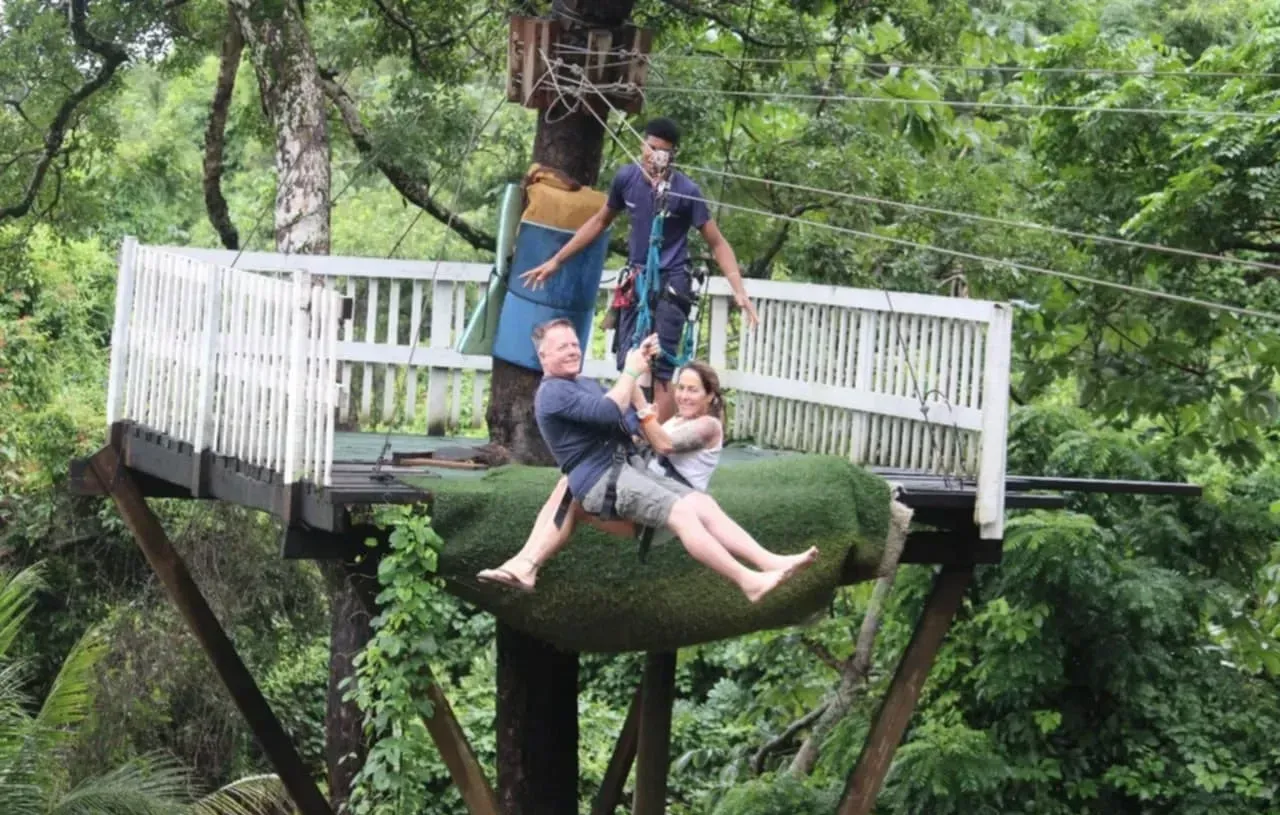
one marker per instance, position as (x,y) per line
(631,373)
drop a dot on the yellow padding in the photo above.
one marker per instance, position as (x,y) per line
(557,201)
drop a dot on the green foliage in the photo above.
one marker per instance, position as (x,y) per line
(34,745)
(51,351)
(393,672)
(770,795)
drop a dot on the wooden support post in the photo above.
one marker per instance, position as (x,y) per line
(114,478)
(443,725)
(624,755)
(653,752)
(537,726)
(904,691)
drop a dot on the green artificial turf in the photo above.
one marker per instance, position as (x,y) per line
(596,595)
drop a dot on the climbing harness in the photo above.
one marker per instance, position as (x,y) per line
(644,289)
(622,452)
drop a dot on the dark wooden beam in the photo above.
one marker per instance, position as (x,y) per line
(950,549)
(443,725)
(899,703)
(614,782)
(1111,486)
(537,720)
(653,751)
(114,478)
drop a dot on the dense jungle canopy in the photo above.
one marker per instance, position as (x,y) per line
(1125,656)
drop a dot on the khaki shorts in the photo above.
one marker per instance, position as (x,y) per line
(643,496)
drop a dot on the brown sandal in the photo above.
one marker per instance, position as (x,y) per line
(504,577)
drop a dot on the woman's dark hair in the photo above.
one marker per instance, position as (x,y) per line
(710,384)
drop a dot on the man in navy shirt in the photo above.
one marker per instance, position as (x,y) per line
(583,424)
(632,191)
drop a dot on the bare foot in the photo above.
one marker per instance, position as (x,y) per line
(761,583)
(794,564)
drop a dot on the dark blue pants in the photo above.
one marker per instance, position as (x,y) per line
(669,316)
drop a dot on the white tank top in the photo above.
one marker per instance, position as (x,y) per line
(696,465)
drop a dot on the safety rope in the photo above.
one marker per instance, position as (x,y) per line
(648,289)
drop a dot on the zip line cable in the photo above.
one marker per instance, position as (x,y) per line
(1013,264)
(962,104)
(1154,293)
(975,69)
(1117,241)
(868,199)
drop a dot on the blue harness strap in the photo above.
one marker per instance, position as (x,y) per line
(648,290)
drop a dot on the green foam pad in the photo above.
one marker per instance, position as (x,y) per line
(596,595)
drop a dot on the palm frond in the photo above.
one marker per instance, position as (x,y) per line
(148,785)
(20,796)
(255,795)
(17,594)
(71,696)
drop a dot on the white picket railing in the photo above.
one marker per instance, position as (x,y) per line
(896,380)
(226,360)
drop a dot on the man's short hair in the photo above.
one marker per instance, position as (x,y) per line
(663,128)
(541,329)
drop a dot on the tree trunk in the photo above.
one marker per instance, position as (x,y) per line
(349,631)
(574,145)
(538,685)
(537,724)
(215,135)
(285,65)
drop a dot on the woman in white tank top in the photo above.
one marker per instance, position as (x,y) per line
(690,441)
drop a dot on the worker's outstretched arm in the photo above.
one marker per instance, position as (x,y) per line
(588,232)
(728,263)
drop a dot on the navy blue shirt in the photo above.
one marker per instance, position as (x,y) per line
(631,191)
(580,424)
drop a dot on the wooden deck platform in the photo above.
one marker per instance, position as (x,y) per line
(364,475)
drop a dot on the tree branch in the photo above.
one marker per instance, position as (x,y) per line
(823,653)
(415,189)
(1240,243)
(784,738)
(707,14)
(856,669)
(113,56)
(215,135)
(759,268)
(417,50)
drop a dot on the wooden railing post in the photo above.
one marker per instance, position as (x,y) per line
(207,373)
(989,511)
(120,331)
(296,397)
